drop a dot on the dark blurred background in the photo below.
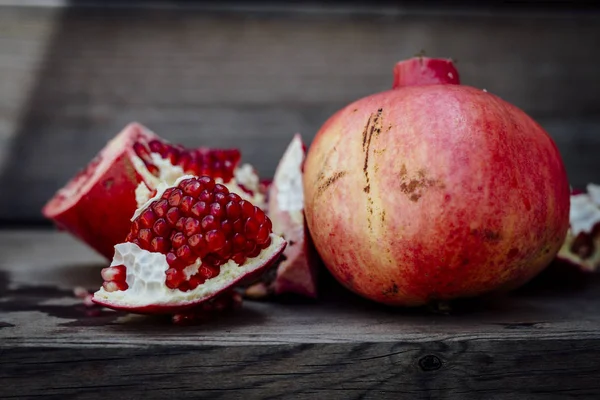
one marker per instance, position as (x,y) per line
(251,74)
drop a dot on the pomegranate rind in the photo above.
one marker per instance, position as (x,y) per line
(584,218)
(95,205)
(227,280)
(297,273)
(425,71)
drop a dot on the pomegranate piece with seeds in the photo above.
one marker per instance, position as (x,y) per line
(177,256)
(96,205)
(582,244)
(297,272)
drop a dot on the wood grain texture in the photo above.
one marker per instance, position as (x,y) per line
(72,78)
(540,342)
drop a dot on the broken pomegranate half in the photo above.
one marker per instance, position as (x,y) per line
(297,271)
(96,205)
(582,244)
(190,242)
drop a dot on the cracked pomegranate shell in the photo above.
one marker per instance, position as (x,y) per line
(297,272)
(96,205)
(434,191)
(582,244)
(187,244)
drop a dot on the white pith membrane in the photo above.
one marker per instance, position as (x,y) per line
(146,271)
(584,215)
(169,173)
(288,182)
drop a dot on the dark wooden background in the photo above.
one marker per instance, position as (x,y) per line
(251,76)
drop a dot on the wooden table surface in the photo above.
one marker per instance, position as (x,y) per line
(542,341)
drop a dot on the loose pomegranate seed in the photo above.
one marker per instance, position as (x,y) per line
(198,219)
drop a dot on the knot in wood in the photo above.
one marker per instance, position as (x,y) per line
(430,363)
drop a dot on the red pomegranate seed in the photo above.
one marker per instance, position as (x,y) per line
(215,240)
(234,197)
(250,246)
(175,198)
(206,196)
(142,151)
(184,253)
(116,273)
(221,198)
(167,193)
(113,286)
(178,240)
(197,244)
(191,226)
(233,210)
(239,242)
(255,252)
(207,183)
(199,209)
(193,188)
(221,189)
(196,281)
(209,223)
(259,215)
(172,154)
(153,169)
(145,236)
(160,245)
(147,218)
(135,229)
(227,251)
(180,224)
(160,208)
(173,215)
(174,278)
(186,205)
(156,146)
(161,228)
(251,228)
(239,258)
(217,210)
(172,260)
(238,226)
(247,208)
(263,234)
(208,271)
(227,228)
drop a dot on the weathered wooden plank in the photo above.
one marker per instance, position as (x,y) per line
(72,78)
(540,342)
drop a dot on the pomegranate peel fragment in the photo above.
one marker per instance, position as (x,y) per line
(581,247)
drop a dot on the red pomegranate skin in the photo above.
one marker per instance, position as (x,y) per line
(436,192)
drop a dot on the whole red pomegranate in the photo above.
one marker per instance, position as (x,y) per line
(434,191)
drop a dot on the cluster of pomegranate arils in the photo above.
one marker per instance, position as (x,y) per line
(198,218)
(216,163)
